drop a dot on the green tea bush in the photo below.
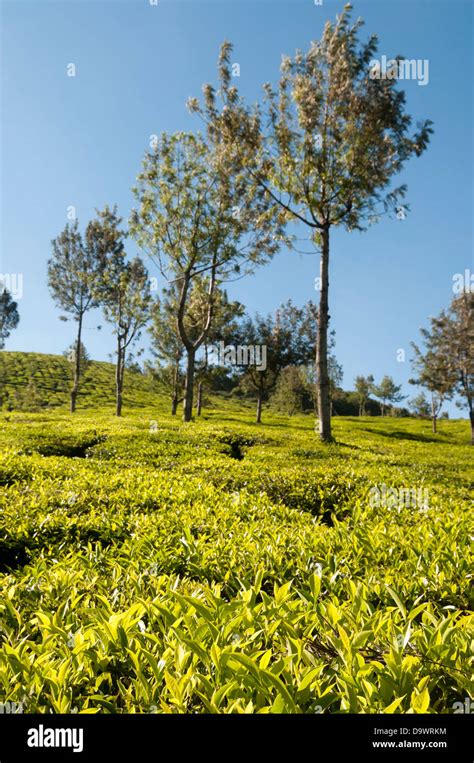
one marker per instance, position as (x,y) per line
(228,568)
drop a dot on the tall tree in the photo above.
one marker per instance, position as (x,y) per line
(324,147)
(449,356)
(434,373)
(126,299)
(9,316)
(202,223)
(363,386)
(387,392)
(73,272)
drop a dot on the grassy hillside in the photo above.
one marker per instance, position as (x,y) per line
(29,378)
(148,566)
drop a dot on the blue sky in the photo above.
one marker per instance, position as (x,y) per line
(79,141)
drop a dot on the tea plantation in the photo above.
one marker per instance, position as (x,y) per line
(149,566)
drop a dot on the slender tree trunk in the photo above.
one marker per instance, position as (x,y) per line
(175,398)
(77,367)
(322,381)
(189,386)
(119,381)
(433,415)
(199,399)
(258,418)
(471,417)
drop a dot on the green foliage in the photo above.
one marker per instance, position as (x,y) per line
(152,570)
(9,316)
(293,393)
(447,365)
(387,391)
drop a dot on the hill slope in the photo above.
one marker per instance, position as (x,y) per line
(30,380)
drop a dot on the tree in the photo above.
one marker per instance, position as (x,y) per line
(363,387)
(73,274)
(125,298)
(387,392)
(224,325)
(434,373)
(167,345)
(458,335)
(420,406)
(293,393)
(286,340)
(324,147)
(449,357)
(9,316)
(200,223)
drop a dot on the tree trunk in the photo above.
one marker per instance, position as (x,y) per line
(322,380)
(77,367)
(433,414)
(189,387)
(471,417)
(175,398)
(258,418)
(199,399)
(119,381)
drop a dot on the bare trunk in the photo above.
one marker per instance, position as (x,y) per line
(119,380)
(433,415)
(258,418)
(189,386)
(471,417)
(77,367)
(199,399)
(322,381)
(175,398)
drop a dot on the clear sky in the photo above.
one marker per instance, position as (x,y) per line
(78,141)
